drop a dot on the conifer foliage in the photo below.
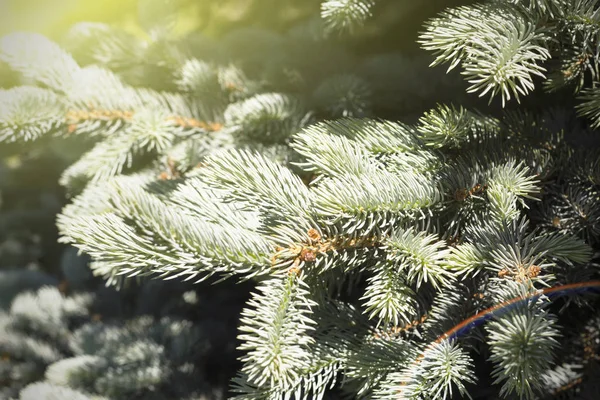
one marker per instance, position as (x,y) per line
(367,241)
(86,346)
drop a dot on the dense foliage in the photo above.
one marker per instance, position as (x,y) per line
(369,208)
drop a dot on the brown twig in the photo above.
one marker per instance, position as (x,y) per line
(76,117)
(307,252)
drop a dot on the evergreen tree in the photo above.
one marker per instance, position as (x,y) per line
(449,255)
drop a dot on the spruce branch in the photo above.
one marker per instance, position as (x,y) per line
(422,257)
(508,184)
(94,101)
(466,258)
(499,46)
(266,118)
(275,330)
(40,59)
(590,105)
(27,113)
(345,16)
(521,254)
(572,209)
(338,329)
(162,239)
(579,15)
(515,178)
(373,202)
(388,298)
(149,131)
(196,198)
(332,155)
(103,44)
(274,190)
(450,127)
(322,254)
(216,85)
(521,347)
(244,390)
(440,369)
(379,137)
(543,7)
(447,310)
(372,361)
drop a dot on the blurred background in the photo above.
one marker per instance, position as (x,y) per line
(395,23)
